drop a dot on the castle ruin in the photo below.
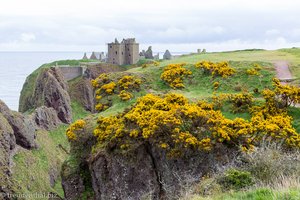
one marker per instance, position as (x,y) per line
(124,53)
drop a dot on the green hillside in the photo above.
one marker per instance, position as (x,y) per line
(198,85)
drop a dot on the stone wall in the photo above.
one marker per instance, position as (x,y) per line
(71,72)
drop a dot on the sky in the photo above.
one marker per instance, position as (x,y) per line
(177,25)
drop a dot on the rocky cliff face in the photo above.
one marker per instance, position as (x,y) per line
(46,118)
(143,173)
(7,145)
(83,92)
(23,127)
(148,173)
(52,91)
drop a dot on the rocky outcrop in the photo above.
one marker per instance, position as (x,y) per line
(116,177)
(82,91)
(144,173)
(51,90)
(23,127)
(148,173)
(7,145)
(46,118)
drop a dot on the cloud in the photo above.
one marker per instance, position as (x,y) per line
(77,25)
(272,32)
(27,37)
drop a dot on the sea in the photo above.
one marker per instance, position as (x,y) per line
(16,66)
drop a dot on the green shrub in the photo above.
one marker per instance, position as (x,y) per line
(235,179)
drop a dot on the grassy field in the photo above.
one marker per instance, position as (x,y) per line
(291,55)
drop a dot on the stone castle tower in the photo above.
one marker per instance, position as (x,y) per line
(124,53)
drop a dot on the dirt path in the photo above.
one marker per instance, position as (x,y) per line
(283,72)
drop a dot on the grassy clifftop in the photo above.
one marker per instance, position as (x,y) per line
(198,86)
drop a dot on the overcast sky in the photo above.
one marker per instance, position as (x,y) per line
(178,25)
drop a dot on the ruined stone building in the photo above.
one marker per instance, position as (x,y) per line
(97,56)
(124,53)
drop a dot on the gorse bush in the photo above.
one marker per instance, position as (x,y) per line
(254,71)
(177,126)
(77,125)
(124,95)
(129,83)
(286,94)
(216,69)
(105,86)
(173,74)
(241,102)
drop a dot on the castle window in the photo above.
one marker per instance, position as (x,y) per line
(110,46)
(129,55)
(116,52)
(122,52)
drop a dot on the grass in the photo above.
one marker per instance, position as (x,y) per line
(255,194)
(31,169)
(78,112)
(295,113)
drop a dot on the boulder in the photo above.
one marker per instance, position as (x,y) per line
(23,127)
(7,145)
(149,53)
(167,55)
(51,90)
(46,118)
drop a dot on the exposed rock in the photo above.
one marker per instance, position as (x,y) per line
(51,91)
(7,144)
(83,92)
(23,127)
(72,184)
(167,55)
(148,173)
(53,176)
(119,177)
(149,53)
(46,118)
